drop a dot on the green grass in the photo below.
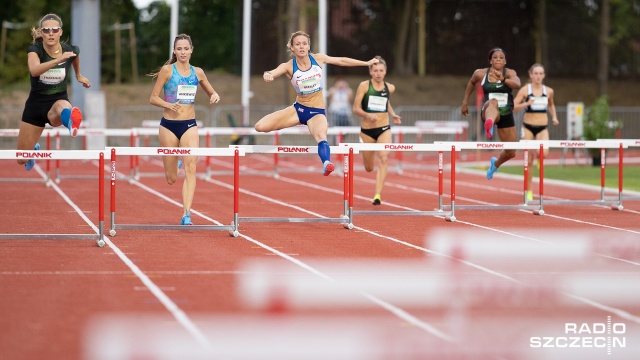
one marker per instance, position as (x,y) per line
(585,174)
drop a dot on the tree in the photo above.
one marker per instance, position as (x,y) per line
(404,58)
(603,49)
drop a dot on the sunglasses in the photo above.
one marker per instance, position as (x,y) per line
(49,30)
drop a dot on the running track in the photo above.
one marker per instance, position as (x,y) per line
(188,285)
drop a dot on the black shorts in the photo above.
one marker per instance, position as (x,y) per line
(37,107)
(375,133)
(535,130)
(506,121)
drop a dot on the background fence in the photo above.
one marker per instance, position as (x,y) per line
(233,115)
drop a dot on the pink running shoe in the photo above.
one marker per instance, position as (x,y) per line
(327,168)
(488,128)
(76,120)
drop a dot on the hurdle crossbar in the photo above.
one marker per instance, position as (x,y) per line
(346,218)
(629,143)
(165,151)
(593,144)
(421,128)
(64,155)
(525,146)
(411,148)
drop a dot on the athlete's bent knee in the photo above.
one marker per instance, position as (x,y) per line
(171,178)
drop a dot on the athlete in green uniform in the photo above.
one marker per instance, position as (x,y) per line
(497,83)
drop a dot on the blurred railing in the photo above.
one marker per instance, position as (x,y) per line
(233,115)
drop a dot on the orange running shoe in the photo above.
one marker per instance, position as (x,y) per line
(76,120)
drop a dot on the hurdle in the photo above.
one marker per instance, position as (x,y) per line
(64,155)
(629,143)
(346,219)
(164,151)
(135,134)
(415,148)
(526,146)
(594,144)
(47,178)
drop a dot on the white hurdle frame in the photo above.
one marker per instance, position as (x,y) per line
(412,148)
(587,144)
(628,143)
(526,146)
(165,151)
(346,219)
(457,128)
(543,145)
(64,155)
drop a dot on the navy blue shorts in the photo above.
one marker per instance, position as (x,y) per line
(178,127)
(305,113)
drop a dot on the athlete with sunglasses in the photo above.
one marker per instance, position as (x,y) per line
(50,63)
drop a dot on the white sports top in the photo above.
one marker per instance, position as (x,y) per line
(308,81)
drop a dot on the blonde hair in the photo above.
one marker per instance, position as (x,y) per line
(535,66)
(293,36)
(36,33)
(380,61)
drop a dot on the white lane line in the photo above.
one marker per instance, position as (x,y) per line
(394,309)
(397,311)
(616,311)
(177,313)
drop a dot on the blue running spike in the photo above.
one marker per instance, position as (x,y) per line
(32,162)
(186,219)
(492,168)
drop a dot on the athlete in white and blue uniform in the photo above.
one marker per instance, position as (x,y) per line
(178,128)
(305,74)
(537,101)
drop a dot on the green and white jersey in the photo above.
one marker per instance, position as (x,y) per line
(499,91)
(375,101)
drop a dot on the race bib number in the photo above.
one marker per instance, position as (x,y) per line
(309,85)
(377,103)
(53,76)
(502,98)
(187,93)
(540,103)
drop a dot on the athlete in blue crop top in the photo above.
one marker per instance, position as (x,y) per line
(178,128)
(305,74)
(537,101)
(497,84)
(372,104)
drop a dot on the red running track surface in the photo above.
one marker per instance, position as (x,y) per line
(309,290)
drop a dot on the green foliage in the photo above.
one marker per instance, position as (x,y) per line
(597,124)
(584,175)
